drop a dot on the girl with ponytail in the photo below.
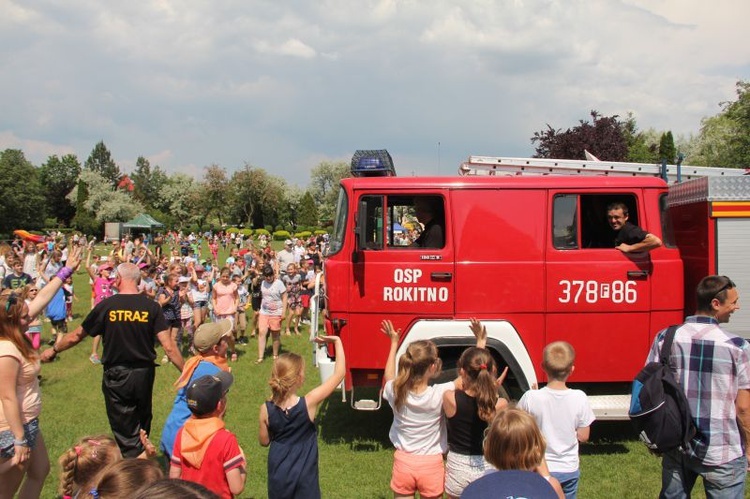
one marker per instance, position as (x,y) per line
(468,411)
(287,424)
(418,431)
(80,464)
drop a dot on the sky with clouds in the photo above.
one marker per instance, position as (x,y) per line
(284,85)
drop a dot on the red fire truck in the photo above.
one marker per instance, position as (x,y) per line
(528,250)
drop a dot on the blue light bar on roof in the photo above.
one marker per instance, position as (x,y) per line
(373,163)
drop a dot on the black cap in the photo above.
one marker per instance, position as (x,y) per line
(268,270)
(204,394)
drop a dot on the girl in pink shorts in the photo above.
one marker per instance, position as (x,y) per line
(272,307)
(225,300)
(418,431)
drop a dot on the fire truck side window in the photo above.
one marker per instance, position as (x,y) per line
(416,222)
(565,222)
(595,230)
(667,229)
(591,209)
(373,228)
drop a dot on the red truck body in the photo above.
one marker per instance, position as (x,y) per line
(528,256)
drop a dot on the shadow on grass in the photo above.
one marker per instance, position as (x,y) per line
(609,437)
(363,431)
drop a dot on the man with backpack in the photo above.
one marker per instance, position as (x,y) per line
(712,367)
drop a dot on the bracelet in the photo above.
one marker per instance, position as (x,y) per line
(64,273)
(54,349)
(21,443)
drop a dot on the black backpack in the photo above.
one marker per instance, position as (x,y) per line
(659,409)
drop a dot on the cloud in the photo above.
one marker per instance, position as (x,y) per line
(291,47)
(33,149)
(281,84)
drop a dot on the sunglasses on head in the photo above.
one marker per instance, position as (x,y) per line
(726,286)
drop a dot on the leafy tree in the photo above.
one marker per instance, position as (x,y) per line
(642,146)
(274,208)
(84,219)
(603,137)
(289,209)
(100,161)
(58,176)
(104,201)
(148,182)
(23,203)
(324,187)
(178,200)
(724,139)
(667,150)
(308,210)
(215,190)
(247,191)
(257,198)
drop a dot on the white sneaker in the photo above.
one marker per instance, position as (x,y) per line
(164,359)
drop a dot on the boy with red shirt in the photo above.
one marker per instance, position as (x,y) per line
(204,451)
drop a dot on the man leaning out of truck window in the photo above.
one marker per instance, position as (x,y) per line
(629,238)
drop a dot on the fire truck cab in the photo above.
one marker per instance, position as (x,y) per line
(532,257)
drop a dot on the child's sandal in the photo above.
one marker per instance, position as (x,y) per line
(259,360)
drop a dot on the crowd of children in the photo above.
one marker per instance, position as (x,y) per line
(457,438)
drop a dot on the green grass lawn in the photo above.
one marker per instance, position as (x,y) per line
(355,453)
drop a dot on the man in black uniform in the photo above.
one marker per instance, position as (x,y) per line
(629,238)
(129,322)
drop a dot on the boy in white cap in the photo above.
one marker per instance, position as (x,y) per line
(205,452)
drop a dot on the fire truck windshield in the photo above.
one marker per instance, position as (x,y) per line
(339,224)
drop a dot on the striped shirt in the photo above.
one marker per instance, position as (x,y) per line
(711,365)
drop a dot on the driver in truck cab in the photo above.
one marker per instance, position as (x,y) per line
(629,238)
(429,212)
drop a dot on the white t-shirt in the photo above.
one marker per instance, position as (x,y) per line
(285,257)
(559,413)
(29,265)
(199,290)
(299,252)
(272,298)
(419,427)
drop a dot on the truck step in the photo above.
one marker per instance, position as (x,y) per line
(366,405)
(610,407)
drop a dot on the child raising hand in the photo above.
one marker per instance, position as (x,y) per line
(287,424)
(468,411)
(418,431)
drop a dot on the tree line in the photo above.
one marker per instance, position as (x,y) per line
(63,193)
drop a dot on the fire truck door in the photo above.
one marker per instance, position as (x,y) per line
(394,274)
(598,298)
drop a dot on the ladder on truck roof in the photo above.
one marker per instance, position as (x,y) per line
(495,165)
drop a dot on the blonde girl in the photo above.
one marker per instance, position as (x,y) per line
(80,464)
(418,429)
(122,479)
(468,411)
(515,446)
(287,424)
